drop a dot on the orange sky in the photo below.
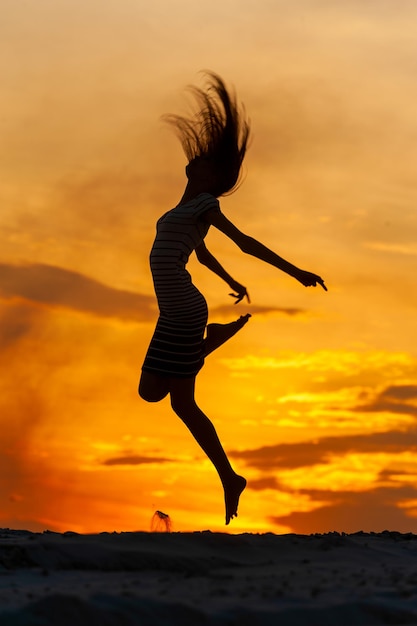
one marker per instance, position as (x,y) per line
(316,400)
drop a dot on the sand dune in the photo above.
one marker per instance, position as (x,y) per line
(207,578)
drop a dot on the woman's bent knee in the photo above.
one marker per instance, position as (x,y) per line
(152,388)
(151,396)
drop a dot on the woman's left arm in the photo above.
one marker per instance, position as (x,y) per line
(251,246)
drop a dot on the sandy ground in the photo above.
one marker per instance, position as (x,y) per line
(207,578)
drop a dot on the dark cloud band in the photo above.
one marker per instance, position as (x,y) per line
(307,453)
(56,286)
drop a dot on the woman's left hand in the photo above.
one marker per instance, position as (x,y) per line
(309,280)
(240,292)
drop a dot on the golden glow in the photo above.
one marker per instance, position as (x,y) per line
(316,399)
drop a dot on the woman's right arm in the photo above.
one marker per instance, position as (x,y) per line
(251,246)
(206,258)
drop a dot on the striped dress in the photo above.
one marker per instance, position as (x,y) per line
(176,348)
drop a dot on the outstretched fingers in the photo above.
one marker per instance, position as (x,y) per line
(239,296)
(321,283)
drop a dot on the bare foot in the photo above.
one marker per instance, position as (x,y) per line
(218,334)
(232,493)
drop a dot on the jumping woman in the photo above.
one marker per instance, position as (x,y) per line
(215,142)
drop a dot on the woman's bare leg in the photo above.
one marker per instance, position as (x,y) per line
(203,431)
(152,387)
(218,334)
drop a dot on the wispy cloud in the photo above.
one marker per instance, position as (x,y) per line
(393,399)
(393,248)
(136,460)
(16,322)
(56,286)
(254,309)
(308,453)
(333,361)
(400,392)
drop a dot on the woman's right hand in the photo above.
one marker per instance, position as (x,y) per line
(240,290)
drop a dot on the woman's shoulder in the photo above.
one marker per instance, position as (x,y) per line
(205,202)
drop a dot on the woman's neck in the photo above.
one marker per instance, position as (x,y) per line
(192,190)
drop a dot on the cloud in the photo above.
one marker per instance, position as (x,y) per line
(331,361)
(371,511)
(387,407)
(305,454)
(56,286)
(17,321)
(136,460)
(267,482)
(393,248)
(392,399)
(254,309)
(400,392)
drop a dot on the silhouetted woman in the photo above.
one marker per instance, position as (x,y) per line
(215,142)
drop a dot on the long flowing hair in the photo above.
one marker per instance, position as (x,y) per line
(218,131)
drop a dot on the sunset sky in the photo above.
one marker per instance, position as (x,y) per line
(316,399)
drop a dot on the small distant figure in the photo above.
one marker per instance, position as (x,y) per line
(161,523)
(214,141)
